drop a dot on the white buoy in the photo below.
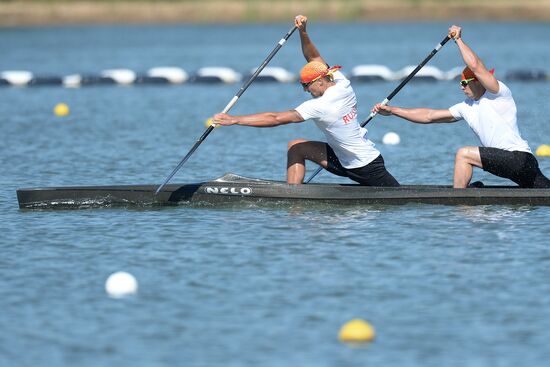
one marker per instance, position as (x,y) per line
(120,76)
(17,77)
(372,72)
(391,138)
(427,72)
(275,73)
(121,284)
(223,74)
(174,75)
(72,81)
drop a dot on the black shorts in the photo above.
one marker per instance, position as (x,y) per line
(520,167)
(373,174)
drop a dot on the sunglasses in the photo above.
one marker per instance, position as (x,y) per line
(465,82)
(306,85)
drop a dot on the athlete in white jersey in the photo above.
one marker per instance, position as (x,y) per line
(490,111)
(347,152)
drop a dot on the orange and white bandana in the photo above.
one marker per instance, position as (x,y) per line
(315,70)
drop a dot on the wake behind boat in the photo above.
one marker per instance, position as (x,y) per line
(232,188)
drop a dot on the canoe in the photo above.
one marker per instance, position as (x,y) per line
(232,188)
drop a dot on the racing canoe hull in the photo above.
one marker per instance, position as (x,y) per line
(233,188)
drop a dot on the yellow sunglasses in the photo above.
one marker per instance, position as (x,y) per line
(465,82)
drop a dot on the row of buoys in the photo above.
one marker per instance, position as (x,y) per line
(122,284)
(176,75)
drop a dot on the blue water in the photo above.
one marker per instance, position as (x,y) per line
(248,286)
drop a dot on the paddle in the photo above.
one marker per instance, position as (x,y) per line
(396,90)
(229,105)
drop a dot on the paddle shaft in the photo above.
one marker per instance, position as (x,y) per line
(395,91)
(229,105)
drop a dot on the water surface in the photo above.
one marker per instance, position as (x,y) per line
(260,285)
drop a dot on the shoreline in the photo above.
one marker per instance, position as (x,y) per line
(19,13)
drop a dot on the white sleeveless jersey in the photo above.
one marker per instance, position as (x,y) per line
(494,119)
(335,113)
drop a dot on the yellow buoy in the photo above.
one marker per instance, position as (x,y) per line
(61,109)
(208,122)
(356,330)
(543,151)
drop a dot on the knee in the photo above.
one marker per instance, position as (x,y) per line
(294,146)
(461,153)
(467,154)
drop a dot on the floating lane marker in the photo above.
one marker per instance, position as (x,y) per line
(274,74)
(367,73)
(61,109)
(356,331)
(391,138)
(17,77)
(120,76)
(427,73)
(543,151)
(46,80)
(527,75)
(72,81)
(173,75)
(216,74)
(121,284)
